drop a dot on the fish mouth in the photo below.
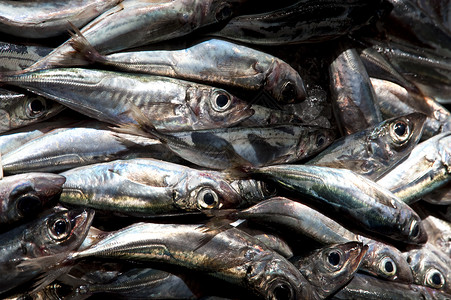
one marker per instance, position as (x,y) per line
(357,252)
(81,220)
(243,111)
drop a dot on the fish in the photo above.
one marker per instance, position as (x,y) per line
(302,22)
(353,96)
(149,187)
(364,203)
(331,267)
(439,232)
(16,57)
(24,196)
(121,98)
(84,143)
(48,235)
(254,267)
(44,19)
(426,169)
(214,62)
(21,109)
(374,151)
(440,196)
(134,23)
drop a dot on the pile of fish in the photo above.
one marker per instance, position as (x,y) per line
(225,149)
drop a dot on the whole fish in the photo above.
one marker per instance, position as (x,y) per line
(15,57)
(365,203)
(43,19)
(134,23)
(374,151)
(426,168)
(230,255)
(214,62)
(330,268)
(26,195)
(51,234)
(259,146)
(120,98)
(84,143)
(354,100)
(148,187)
(22,109)
(364,287)
(304,21)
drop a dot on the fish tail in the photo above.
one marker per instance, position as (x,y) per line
(83,46)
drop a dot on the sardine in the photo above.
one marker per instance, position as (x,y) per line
(148,187)
(54,233)
(114,97)
(354,100)
(426,168)
(366,204)
(22,109)
(23,196)
(374,151)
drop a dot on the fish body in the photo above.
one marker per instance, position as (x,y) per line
(14,57)
(374,151)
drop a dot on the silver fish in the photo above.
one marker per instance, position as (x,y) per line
(14,57)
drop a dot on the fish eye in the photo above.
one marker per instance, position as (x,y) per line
(435,279)
(268,189)
(28,205)
(334,258)
(400,132)
(207,198)
(224,13)
(414,229)
(387,266)
(221,101)
(288,92)
(320,140)
(60,228)
(282,292)
(35,107)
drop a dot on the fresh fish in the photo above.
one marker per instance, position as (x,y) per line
(374,151)
(330,268)
(430,267)
(134,23)
(230,255)
(113,97)
(259,146)
(26,195)
(305,21)
(43,19)
(148,187)
(363,202)
(394,100)
(22,109)
(364,287)
(214,62)
(272,116)
(87,142)
(354,100)
(14,57)
(51,234)
(426,168)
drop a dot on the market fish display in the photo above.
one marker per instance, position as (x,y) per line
(205,137)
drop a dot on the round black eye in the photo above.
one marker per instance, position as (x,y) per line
(400,128)
(288,92)
(28,205)
(222,100)
(224,13)
(320,140)
(282,292)
(268,189)
(333,258)
(436,279)
(400,132)
(207,198)
(36,106)
(60,228)
(388,267)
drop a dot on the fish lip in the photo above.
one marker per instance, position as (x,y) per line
(48,185)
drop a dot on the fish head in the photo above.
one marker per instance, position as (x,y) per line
(219,108)
(23,110)
(329,268)
(253,191)
(57,232)
(412,228)
(284,83)
(25,195)
(396,137)
(273,277)
(386,262)
(317,140)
